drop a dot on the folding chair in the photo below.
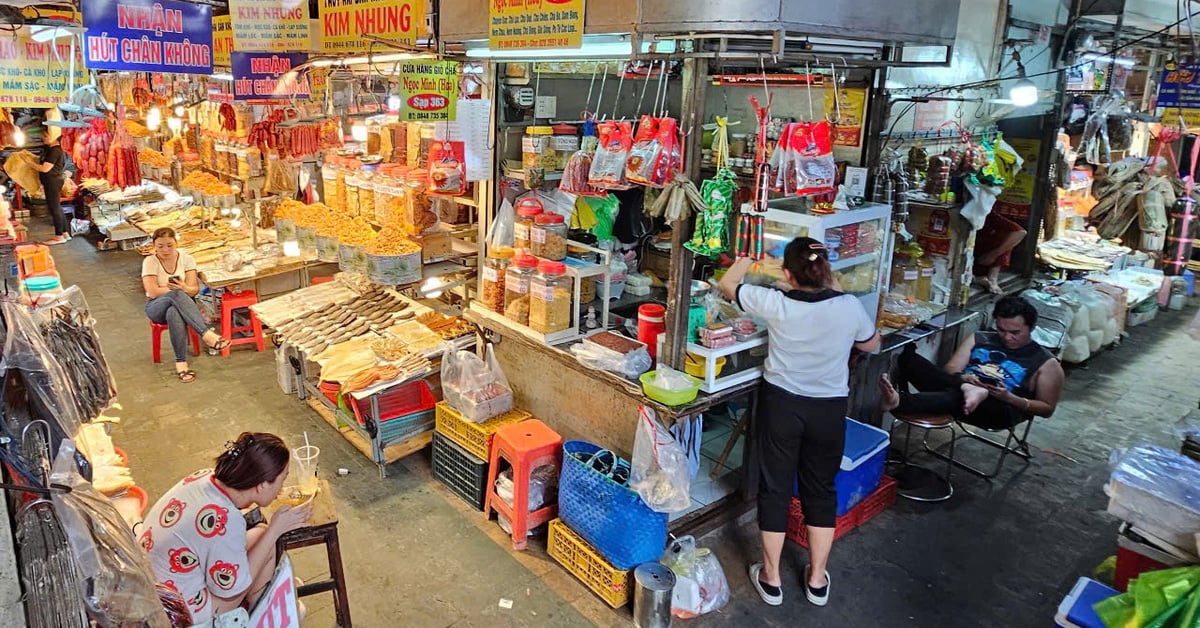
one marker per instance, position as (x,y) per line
(1013,444)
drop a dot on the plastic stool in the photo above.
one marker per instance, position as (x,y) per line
(325,279)
(235,301)
(526,446)
(156,332)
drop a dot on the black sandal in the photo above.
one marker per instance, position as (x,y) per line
(221,344)
(187,376)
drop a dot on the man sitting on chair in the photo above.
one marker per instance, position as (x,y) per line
(994,380)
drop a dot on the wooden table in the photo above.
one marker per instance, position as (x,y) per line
(322,531)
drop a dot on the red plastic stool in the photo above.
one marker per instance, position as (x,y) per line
(235,301)
(526,446)
(325,279)
(156,332)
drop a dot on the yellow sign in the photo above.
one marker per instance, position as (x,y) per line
(222,40)
(270,26)
(34,74)
(429,91)
(533,24)
(1191,117)
(345,24)
(1016,201)
(846,108)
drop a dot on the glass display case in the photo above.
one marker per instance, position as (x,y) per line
(857,241)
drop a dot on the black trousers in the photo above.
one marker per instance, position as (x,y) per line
(53,189)
(940,392)
(800,439)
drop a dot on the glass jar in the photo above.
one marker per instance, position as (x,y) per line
(516,288)
(737,145)
(255,161)
(565,143)
(548,238)
(492,276)
(536,148)
(527,210)
(243,163)
(550,298)
(925,272)
(904,276)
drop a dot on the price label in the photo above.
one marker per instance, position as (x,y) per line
(910,275)
(538,235)
(927,272)
(490,274)
(521,232)
(521,286)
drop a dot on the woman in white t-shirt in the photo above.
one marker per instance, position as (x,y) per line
(812,328)
(170,282)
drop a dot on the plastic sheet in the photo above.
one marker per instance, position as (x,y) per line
(1168,598)
(660,472)
(700,584)
(69,331)
(1155,489)
(117,581)
(668,378)
(543,487)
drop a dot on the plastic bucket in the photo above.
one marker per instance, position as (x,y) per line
(394,270)
(285,229)
(307,238)
(352,258)
(327,248)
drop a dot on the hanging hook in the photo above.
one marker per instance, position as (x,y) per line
(588,101)
(620,86)
(645,84)
(808,90)
(603,81)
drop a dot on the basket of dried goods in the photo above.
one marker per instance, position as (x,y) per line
(393,259)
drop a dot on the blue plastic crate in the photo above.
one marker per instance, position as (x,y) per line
(862,464)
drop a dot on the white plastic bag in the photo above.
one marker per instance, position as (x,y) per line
(502,226)
(630,365)
(475,388)
(543,486)
(659,472)
(700,584)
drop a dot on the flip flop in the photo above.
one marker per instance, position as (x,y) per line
(187,376)
(221,344)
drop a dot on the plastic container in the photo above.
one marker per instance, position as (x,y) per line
(527,211)
(651,323)
(550,298)
(583,561)
(548,238)
(565,143)
(516,288)
(694,366)
(668,397)
(464,474)
(474,437)
(1075,611)
(491,277)
(537,150)
(862,464)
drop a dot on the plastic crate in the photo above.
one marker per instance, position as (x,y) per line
(880,500)
(476,438)
(465,475)
(584,562)
(402,401)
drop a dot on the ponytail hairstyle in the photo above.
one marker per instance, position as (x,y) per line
(254,458)
(808,262)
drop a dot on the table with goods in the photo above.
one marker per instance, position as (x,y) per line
(360,353)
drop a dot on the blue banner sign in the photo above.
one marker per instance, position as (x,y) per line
(148,36)
(269,76)
(1180,87)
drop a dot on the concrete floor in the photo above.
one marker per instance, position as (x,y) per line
(999,553)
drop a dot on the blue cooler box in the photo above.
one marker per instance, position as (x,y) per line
(862,464)
(1076,609)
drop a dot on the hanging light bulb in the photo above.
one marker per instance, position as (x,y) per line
(179,111)
(18,137)
(154,119)
(175,124)
(1023,93)
(359,132)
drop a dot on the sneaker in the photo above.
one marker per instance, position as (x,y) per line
(774,598)
(819,595)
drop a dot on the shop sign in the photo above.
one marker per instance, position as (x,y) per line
(428,91)
(33,74)
(346,23)
(1016,201)
(222,40)
(535,24)
(269,76)
(278,608)
(1179,95)
(148,36)
(270,25)
(847,108)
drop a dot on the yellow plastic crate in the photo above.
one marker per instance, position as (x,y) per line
(585,563)
(474,437)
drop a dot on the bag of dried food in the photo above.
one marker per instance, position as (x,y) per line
(473,386)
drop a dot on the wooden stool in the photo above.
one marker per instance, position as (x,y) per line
(323,531)
(526,446)
(916,482)
(231,301)
(156,332)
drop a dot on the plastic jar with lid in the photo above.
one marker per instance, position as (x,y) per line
(527,210)
(516,287)
(492,276)
(550,298)
(353,184)
(738,144)
(565,143)
(536,149)
(255,160)
(548,238)
(243,162)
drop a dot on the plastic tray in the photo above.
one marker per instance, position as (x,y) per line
(585,563)
(476,438)
(465,475)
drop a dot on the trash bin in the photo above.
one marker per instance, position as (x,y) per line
(653,584)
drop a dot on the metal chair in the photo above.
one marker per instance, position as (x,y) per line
(1013,444)
(916,482)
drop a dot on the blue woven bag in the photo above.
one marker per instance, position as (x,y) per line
(611,517)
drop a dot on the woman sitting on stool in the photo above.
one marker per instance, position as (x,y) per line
(170,281)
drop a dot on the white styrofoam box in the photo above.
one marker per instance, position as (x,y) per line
(1154,489)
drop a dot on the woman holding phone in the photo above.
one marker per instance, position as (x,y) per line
(170,281)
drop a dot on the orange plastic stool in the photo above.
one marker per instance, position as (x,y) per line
(526,446)
(33,258)
(325,279)
(156,332)
(235,301)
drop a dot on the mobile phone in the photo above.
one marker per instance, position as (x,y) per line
(254,517)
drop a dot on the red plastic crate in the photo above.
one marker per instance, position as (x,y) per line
(878,501)
(400,402)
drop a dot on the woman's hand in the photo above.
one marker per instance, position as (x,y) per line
(289,518)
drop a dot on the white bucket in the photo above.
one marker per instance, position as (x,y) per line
(352,259)
(394,270)
(327,248)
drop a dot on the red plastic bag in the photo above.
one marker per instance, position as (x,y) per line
(803,161)
(447,168)
(608,166)
(655,152)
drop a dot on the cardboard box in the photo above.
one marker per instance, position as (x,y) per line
(435,245)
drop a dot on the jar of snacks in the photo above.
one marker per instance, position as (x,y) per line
(421,216)
(550,298)
(243,162)
(353,185)
(255,161)
(565,143)
(329,184)
(527,210)
(548,238)
(536,149)
(492,277)
(516,287)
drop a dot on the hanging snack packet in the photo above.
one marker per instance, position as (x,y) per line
(644,155)
(447,168)
(608,167)
(804,159)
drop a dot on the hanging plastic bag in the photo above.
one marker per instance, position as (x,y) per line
(608,166)
(655,151)
(805,165)
(659,472)
(502,226)
(700,584)
(475,387)
(447,168)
